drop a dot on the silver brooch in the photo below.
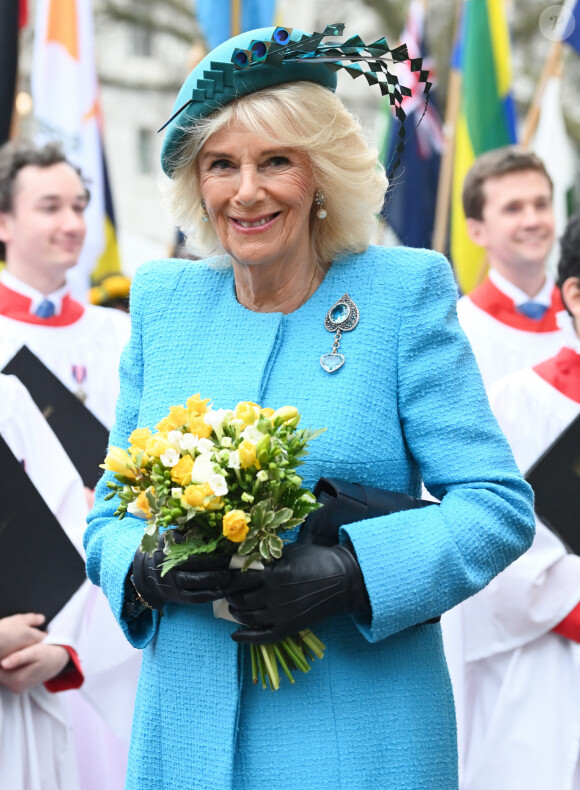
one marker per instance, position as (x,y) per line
(342,317)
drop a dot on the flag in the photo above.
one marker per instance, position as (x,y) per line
(554,148)
(409,207)
(486,116)
(215,17)
(66,108)
(572,25)
(12,16)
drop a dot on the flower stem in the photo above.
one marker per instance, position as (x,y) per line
(313,642)
(283,663)
(296,654)
(254,663)
(271,667)
(261,667)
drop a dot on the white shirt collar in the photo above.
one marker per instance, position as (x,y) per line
(544,296)
(31,293)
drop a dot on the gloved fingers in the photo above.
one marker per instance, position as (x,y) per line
(258,636)
(200,596)
(242,581)
(186,581)
(258,618)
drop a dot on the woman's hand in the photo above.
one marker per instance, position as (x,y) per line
(199,580)
(31,666)
(20,630)
(308,584)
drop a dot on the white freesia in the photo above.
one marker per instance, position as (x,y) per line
(205,446)
(226,442)
(262,476)
(170,457)
(252,434)
(234,460)
(176,492)
(218,485)
(134,510)
(188,442)
(216,418)
(224,456)
(203,469)
(174,438)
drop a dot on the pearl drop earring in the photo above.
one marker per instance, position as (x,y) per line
(319,198)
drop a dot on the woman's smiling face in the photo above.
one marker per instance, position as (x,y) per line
(258,196)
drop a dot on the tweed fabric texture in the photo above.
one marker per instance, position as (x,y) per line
(407,405)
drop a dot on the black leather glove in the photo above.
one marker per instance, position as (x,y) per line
(308,584)
(199,580)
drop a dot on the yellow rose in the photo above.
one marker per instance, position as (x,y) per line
(120,462)
(200,428)
(287,413)
(175,419)
(157,445)
(196,406)
(195,496)
(247,411)
(181,472)
(267,412)
(235,525)
(143,503)
(247,453)
(139,437)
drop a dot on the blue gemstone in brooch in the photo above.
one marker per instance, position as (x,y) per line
(342,317)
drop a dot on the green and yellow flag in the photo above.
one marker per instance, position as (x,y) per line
(486,116)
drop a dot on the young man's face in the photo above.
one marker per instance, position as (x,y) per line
(517,225)
(45,230)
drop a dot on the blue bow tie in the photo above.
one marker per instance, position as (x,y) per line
(533,310)
(45,309)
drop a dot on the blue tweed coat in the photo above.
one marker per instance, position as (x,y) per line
(407,405)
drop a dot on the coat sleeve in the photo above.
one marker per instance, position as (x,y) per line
(418,564)
(110,543)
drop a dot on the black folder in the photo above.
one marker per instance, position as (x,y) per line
(555,478)
(82,435)
(40,566)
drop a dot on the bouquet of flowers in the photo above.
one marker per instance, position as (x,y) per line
(221,481)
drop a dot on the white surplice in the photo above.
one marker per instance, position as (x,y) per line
(84,355)
(516,683)
(36,744)
(501,349)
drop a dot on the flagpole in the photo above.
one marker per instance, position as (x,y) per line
(443,204)
(236,9)
(552,68)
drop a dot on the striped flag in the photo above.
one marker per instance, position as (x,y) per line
(486,116)
(66,108)
(573,38)
(216,17)
(409,207)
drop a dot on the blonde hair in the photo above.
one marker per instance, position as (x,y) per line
(312,119)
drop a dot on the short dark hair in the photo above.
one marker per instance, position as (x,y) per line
(494,164)
(17,154)
(569,263)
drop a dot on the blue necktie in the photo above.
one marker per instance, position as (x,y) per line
(45,309)
(533,310)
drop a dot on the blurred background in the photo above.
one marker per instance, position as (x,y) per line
(102,76)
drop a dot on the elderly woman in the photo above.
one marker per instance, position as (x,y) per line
(267,162)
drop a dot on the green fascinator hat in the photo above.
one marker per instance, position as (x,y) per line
(272,56)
